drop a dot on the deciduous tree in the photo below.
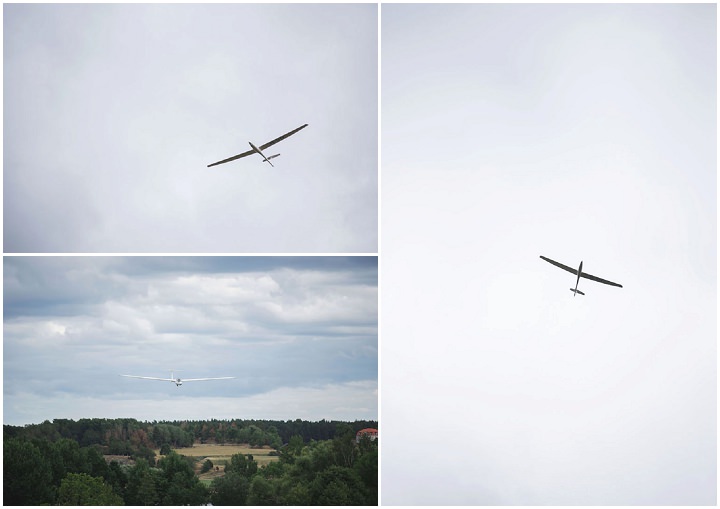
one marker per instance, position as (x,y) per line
(261,492)
(232,489)
(141,489)
(27,475)
(83,489)
(242,465)
(338,486)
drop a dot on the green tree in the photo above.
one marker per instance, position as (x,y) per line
(298,494)
(83,489)
(165,449)
(27,475)
(322,455)
(367,444)
(91,437)
(295,445)
(366,467)
(273,438)
(255,435)
(338,486)
(231,489)
(117,478)
(52,456)
(147,492)
(120,447)
(261,492)
(93,462)
(273,470)
(242,465)
(71,455)
(141,488)
(344,446)
(174,463)
(207,466)
(145,453)
(183,487)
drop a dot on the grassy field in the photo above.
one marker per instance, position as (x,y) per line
(220,456)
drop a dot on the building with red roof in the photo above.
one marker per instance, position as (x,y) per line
(371,432)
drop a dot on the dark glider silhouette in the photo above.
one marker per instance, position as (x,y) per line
(580,274)
(258,150)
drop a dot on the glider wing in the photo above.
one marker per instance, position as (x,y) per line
(558,264)
(244,154)
(273,142)
(150,378)
(201,379)
(599,280)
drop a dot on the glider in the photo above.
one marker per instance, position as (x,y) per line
(178,381)
(580,274)
(258,150)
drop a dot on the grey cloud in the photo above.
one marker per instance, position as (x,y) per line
(78,319)
(114,111)
(579,132)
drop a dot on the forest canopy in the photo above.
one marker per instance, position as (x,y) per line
(66,462)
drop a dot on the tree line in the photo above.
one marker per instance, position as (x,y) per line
(43,467)
(125,436)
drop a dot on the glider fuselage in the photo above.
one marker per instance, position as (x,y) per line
(265,159)
(578,279)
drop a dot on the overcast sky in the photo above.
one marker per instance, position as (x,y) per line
(300,335)
(113,112)
(577,132)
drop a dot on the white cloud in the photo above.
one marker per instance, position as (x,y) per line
(76,323)
(577,132)
(130,103)
(350,401)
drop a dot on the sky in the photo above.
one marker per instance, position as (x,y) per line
(299,333)
(580,133)
(113,112)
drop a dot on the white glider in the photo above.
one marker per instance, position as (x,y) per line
(580,274)
(179,381)
(258,150)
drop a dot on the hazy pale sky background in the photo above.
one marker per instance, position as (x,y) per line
(113,112)
(299,333)
(578,132)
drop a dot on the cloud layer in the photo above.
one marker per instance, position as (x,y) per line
(113,113)
(287,328)
(578,132)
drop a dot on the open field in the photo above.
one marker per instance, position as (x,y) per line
(220,450)
(220,455)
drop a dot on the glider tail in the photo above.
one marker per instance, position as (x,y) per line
(267,159)
(576,291)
